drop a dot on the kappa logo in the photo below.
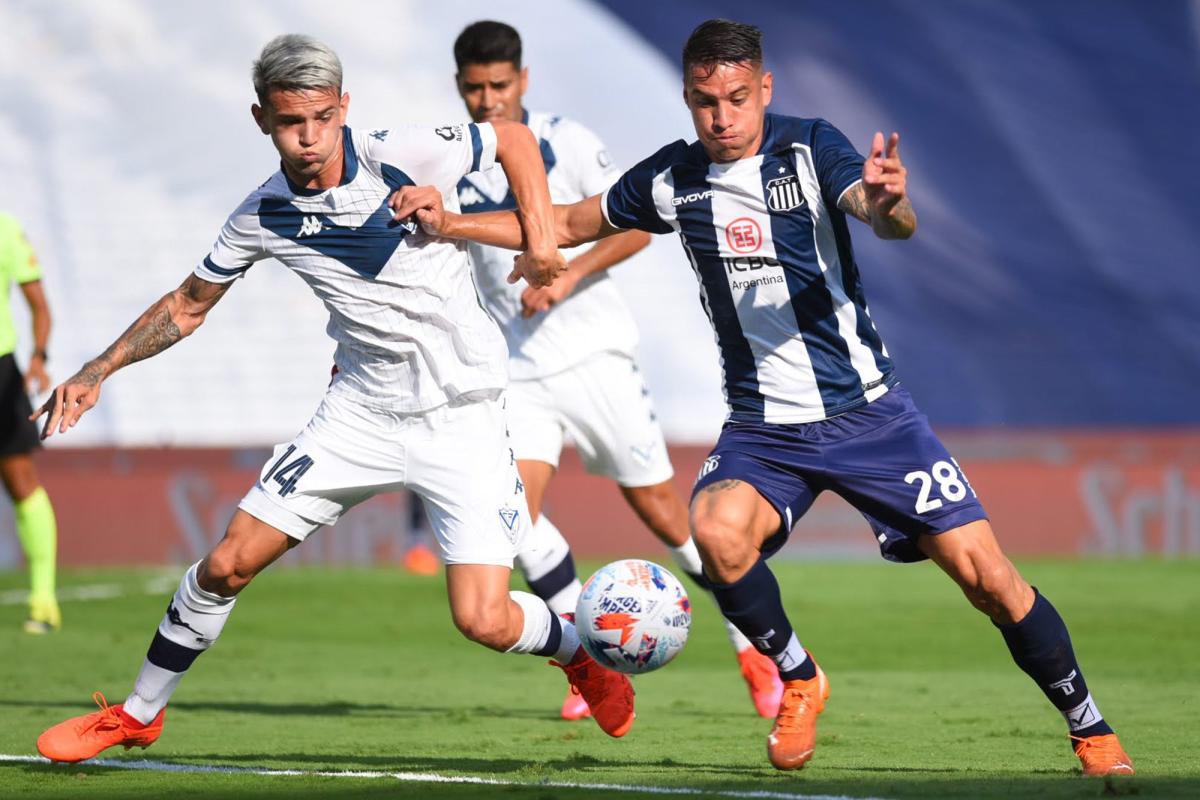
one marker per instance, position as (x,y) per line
(743,235)
(379,135)
(469,196)
(176,619)
(310,226)
(783,194)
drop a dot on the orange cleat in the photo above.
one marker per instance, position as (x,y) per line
(608,694)
(420,560)
(794,736)
(574,706)
(762,679)
(1102,755)
(81,738)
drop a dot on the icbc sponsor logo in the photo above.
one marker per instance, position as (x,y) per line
(743,235)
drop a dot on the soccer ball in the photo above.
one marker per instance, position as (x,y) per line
(633,616)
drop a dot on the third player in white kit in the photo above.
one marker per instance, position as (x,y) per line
(571,349)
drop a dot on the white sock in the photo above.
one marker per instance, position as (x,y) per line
(688,559)
(545,561)
(193,621)
(544,633)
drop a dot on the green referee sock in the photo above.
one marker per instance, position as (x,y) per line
(38,532)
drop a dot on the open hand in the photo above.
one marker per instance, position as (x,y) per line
(884,177)
(69,401)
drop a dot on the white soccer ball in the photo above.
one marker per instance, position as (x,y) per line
(633,616)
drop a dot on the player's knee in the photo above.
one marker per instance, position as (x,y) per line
(725,548)
(226,571)
(486,625)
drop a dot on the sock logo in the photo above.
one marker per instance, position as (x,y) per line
(763,643)
(1082,716)
(1068,688)
(176,619)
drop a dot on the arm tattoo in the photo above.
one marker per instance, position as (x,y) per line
(157,335)
(854,203)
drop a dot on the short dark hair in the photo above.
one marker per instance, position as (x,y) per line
(722,41)
(486,42)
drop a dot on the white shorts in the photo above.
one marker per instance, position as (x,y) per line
(603,405)
(457,458)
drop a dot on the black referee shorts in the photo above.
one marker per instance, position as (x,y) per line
(17,434)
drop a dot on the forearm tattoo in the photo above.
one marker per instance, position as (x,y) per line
(854,203)
(153,333)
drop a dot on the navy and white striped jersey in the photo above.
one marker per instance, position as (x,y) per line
(777,274)
(410,332)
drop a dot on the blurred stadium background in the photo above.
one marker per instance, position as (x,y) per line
(1046,317)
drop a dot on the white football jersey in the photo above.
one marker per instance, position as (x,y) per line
(594,317)
(403,309)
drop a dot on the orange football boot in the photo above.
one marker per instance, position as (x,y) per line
(81,738)
(608,694)
(794,736)
(574,706)
(762,679)
(1102,755)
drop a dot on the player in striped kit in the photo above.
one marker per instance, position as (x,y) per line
(760,202)
(415,402)
(571,350)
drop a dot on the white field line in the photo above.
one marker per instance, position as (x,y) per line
(432,777)
(95,591)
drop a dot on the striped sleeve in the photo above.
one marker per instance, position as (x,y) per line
(839,165)
(630,202)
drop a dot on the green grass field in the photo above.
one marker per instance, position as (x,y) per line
(352,670)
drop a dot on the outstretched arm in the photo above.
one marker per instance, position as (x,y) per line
(36,379)
(574,224)
(881,199)
(518,153)
(176,315)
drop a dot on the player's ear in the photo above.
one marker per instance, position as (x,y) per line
(768,81)
(260,117)
(344,105)
(524,80)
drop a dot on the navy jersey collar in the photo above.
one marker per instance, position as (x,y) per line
(349,167)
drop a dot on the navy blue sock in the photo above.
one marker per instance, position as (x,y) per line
(754,605)
(554,581)
(1041,646)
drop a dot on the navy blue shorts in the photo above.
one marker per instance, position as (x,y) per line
(882,458)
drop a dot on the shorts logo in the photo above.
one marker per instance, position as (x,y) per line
(710,463)
(509,517)
(743,235)
(642,454)
(783,194)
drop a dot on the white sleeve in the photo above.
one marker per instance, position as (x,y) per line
(436,156)
(238,246)
(589,161)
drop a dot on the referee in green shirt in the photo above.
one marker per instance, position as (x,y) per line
(18,436)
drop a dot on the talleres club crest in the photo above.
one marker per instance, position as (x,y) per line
(783,194)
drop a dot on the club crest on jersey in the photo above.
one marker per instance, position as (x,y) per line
(509,517)
(783,194)
(743,235)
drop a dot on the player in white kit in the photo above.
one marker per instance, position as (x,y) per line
(415,403)
(571,349)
